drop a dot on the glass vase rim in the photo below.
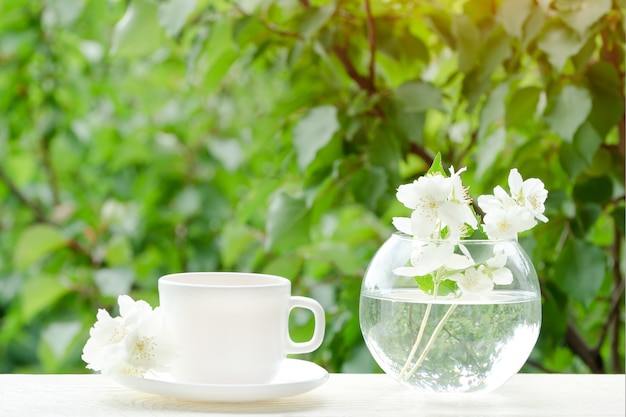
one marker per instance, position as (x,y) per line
(405,236)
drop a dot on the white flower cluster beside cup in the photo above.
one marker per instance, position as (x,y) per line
(442,216)
(135,343)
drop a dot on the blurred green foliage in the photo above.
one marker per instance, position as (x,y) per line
(143,137)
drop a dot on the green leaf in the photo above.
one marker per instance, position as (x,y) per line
(496,49)
(580,270)
(427,285)
(559,42)
(118,251)
(59,336)
(138,32)
(38,293)
(568,110)
(288,266)
(594,190)
(246,29)
(512,14)
(578,156)
(62,13)
(219,67)
(608,102)
(602,163)
(553,317)
(173,14)
(187,202)
(521,108)
(571,161)
(488,149)
(441,23)
(408,126)
(342,256)
(369,185)
(587,142)
(314,19)
(418,96)
(437,166)
(313,132)
(235,238)
(287,223)
(493,111)
(114,281)
(581,14)
(467,42)
(228,151)
(400,45)
(587,214)
(533,26)
(323,196)
(36,242)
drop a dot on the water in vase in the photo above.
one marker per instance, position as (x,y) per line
(450,345)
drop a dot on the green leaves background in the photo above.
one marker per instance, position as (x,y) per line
(146,137)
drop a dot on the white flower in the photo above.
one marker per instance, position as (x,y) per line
(482,278)
(473,280)
(496,270)
(436,202)
(134,343)
(428,257)
(500,200)
(506,224)
(425,196)
(530,194)
(403,224)
(507,215)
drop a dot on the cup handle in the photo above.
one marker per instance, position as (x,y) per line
(320,325)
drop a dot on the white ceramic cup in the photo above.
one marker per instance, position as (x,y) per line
(232,328)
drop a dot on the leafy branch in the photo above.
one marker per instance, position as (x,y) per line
(35,208)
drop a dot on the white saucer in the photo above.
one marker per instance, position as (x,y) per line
(295,377)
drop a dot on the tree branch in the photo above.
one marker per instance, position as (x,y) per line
(363,82)
(422,153)
(589,356)
(614,309)
(35,208)
(40,215)
(49,168)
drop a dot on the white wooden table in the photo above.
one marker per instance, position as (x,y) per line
(359,395)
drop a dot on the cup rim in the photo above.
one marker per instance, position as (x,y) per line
(238,280)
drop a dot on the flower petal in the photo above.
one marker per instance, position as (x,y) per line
(403,224)
(502,276)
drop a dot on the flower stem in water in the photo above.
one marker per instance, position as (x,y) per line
(418,340)
(429,345)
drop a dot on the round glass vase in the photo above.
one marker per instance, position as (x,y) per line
(432,332)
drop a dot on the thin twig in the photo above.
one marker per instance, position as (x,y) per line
(49,168)
(579,346)
(614,310)
(275,29)
(35,208)
(422,153)
(363,82)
